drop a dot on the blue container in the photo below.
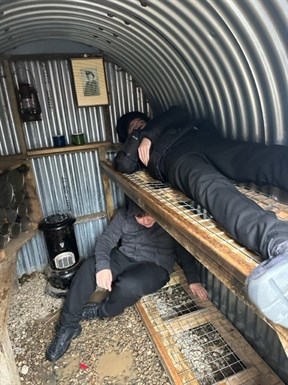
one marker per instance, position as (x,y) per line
(59,141)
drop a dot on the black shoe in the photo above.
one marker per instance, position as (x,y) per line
(91,311)
(61,341)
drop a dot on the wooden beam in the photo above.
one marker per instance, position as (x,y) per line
(8,370)
(35,210)
(14,107)
(67,149)
(107,187)
(11,162)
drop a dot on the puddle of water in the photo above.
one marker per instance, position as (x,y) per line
(116,365)
(70,370)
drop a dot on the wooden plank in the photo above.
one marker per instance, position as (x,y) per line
(11,89)
(67,149)
(8,369)
(163,355)
(108,195)
(35,211)
(8,275)
(11,162)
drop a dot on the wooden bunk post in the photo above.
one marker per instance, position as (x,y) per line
(107,186)
(8,370)
(14,109)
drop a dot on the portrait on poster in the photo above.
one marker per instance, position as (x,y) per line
(90,82)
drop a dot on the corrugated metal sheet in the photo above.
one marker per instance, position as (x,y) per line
(33,256)
(226,60)
(69,183)
(257,332)
(60,114)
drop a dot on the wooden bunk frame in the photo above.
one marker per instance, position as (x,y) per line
(228,261)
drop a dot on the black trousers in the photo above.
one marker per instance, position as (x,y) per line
(131,281)
(202,169)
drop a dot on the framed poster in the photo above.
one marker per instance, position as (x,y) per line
(90,82)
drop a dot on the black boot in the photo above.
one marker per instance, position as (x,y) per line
(92,311)
(61,341)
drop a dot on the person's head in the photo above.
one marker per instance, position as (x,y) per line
(145,220)
(129,122)
(89,75)
(141,217)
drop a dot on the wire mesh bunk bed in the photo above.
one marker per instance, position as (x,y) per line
(172,315)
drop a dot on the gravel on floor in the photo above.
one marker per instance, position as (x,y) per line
(116,351)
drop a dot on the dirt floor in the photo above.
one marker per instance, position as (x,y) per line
(116,351)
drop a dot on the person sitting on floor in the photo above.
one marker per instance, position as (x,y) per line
(192,156)
(139,266)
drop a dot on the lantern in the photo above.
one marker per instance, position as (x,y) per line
(30,109)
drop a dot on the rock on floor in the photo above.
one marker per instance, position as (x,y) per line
(116,351)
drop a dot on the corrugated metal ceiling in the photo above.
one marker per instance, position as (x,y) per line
(224,59)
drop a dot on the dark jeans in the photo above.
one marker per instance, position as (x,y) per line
(131,281)
(201,177)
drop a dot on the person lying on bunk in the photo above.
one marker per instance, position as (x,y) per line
(140,265)
(193,157)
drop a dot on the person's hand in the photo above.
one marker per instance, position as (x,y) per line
(104,279)
(199,290)
(144,151)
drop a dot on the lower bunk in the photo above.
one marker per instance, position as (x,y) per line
(192,227)
(195,341)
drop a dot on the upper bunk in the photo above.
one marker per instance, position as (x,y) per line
(194,229)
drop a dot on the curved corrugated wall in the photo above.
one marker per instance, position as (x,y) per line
(224,59)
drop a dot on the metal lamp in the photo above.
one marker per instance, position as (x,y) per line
(30,109)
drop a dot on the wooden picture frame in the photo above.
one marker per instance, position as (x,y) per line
(90,82)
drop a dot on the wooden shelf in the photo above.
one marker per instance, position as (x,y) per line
(11,162)
(67,149)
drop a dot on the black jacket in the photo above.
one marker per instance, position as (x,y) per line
(163,131)
(138,243)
